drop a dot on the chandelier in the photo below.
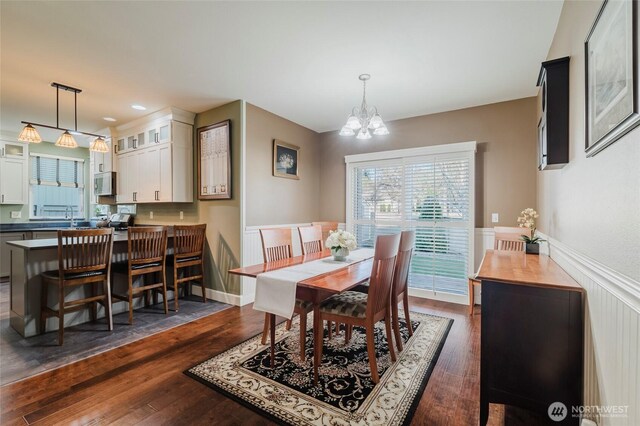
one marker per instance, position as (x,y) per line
(364,119)
(66,140)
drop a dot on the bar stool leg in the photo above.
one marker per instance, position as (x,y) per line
(176,286)
(204,295)
(61,315)
(130,299)
(44,289)
(107,304)
(164,292)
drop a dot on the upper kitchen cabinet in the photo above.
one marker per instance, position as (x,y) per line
(156,163)
(14,173)
(553,126)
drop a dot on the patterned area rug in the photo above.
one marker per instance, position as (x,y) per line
(345,394)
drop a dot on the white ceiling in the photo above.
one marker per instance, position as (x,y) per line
(300,60)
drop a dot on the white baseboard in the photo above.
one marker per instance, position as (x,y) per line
(220,296)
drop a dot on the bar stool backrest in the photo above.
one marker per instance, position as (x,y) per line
(83,251)
(384,262)
(147,244)
(188,240)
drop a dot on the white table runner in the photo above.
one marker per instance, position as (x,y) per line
(276,290)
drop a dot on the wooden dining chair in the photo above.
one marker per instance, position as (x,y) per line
(311,239)
(147,255)
(276,245)
(84,259)
(327,227)
(400,288)
(507,238)
(188,259)
(359,309)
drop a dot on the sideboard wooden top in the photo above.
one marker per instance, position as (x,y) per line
(526,269)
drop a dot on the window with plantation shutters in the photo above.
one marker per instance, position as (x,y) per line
(56,187)
(429,190)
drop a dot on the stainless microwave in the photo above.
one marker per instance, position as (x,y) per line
(104,183)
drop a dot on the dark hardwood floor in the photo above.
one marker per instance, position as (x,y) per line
(143,383)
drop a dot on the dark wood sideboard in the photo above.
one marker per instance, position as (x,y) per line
(531,342)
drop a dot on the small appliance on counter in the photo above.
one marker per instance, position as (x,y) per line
(121,221)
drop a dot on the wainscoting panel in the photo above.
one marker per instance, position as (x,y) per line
(612,335)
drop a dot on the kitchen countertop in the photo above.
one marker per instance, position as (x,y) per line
(46,243)
(39,226)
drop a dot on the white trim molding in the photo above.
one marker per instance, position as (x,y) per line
(412,152)
(221,296)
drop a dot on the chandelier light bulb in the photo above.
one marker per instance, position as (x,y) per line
(363,134)
(346,131)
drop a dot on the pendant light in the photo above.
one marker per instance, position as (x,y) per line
(66,140)
(364,119)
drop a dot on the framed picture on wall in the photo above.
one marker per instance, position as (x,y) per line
(285,160)
(611,75)
(214,161)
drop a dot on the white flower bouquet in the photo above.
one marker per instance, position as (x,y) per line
(341,242)
(527,219)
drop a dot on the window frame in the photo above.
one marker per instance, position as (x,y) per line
(403,157)
(82,186)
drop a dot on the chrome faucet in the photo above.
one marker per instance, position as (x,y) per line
(69,215)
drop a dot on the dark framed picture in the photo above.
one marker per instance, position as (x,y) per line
(285,160)
(214,161)
(611,75)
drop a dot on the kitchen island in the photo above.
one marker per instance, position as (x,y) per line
(29,258)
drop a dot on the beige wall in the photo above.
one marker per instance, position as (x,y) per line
(273,200)
(505,161)
(591,204)
(221,216)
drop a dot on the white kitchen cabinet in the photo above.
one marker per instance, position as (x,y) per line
(161,169)
(14,173)
(102,161)
(5,250)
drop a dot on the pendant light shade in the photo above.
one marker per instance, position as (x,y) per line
(353,122)
(29,134)
(347,131)
(363,134)
(381,131)
(99,145)
(66,140)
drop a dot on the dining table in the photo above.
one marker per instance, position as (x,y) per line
(314,289)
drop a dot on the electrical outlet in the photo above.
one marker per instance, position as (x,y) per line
(181,215)
(495,218)
(150,215)
(16,215)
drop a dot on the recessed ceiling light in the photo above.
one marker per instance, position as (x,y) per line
(138,107)
(108,119)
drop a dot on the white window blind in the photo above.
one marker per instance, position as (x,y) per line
(432,194)
(56,187)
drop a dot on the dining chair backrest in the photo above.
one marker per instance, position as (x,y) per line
(147,244)
(82,251)
(327,227)
(510,238)
(188,240)
(403,262)
(276,244)
(384,262)
(311,240)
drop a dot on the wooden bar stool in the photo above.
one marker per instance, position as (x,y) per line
(147,253)
(84,259)
(187,259)
(276,245)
